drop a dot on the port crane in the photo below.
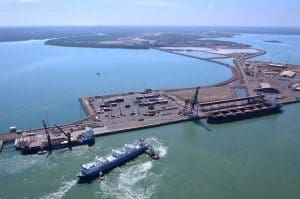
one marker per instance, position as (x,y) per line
(67,134)
(193,102)
(288,60)
(48,137)
(195,98)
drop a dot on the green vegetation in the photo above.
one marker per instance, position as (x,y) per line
(123,37)
(144,40)
(92,42)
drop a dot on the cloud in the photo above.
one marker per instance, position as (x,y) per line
(29,1)
(210,7)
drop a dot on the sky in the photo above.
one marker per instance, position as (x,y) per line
(271,13)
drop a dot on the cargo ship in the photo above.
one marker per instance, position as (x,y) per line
(267,107)
(32,144)
(87,137)
(102,165)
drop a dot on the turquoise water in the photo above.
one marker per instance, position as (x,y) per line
(276,52)
(36,79)
(257,158)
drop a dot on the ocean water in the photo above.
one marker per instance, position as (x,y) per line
(38,80)
(257,158)
(287,51)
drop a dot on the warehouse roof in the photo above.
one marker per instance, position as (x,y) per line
(288,73)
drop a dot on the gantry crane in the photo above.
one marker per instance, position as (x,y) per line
(192,102)
(48,137)
(67,134)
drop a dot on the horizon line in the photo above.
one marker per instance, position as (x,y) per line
(210,26)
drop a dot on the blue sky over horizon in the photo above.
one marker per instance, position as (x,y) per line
(150,12)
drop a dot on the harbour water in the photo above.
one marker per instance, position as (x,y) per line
(257,158)
(284,49)
(38,80)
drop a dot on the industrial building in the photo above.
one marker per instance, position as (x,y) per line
(266,88)
(288,74)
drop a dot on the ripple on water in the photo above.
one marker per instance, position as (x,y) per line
(62,190)
(19,163)
(126,184)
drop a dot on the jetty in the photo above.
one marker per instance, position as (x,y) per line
(123,112)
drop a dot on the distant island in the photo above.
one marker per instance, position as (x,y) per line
(147,40)
(125,37)
(273,41)
(88,43)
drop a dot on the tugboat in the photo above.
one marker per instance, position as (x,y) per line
(151,153)
(102,165)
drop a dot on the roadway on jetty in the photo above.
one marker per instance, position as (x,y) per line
(234,69)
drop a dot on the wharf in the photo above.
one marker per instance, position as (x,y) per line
(102,131)
(124,112)
(9,137)
(108,115)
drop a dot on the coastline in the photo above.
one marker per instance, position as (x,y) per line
(236,75)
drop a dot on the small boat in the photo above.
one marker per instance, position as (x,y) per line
(152,154)
(102,177)
(42,152)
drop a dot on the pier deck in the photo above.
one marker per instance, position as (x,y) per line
(111,114)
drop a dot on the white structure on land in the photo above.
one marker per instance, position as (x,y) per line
(288,73)
(266,88)
(276,65)
(296,87)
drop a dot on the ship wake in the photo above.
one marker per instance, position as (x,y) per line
(62,190)
(136,181)
(130,183)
